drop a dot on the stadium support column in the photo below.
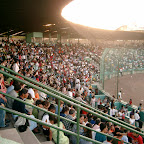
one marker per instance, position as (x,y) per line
(69,39)
(8,35)
(117,77)
(102,66)
(49,37)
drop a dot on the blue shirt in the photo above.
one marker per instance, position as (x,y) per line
(100,137)
(56,112)
(10,88)
(19,106)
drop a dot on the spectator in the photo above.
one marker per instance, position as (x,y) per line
(31,91)
(62,138)
(120,114)
(100,137)
(140,107)
(20,107)
(45,105)
(65,111)
(2,117)
(132,120)
(85,120)
(98,102)
(137,119)
(130,102)
(87,133)
(61,107)
(45,118)
(132,112)
(120,95)
(13,93)
(30,101)
(93,101)
(74,129)
(35,111)
(70,94)
(36,94)
(135,138)
(108,141)
(70,116)
(113,111)
(16,66)
(96,127)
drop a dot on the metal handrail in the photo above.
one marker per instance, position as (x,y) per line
(63,95)
(59,117)
(49,125)
(67,101)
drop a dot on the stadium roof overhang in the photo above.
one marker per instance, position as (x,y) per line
(93,33)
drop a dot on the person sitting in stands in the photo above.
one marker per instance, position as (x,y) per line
(108,141)
(62,138)
(74,129)
(45,105)
(30,101)
(100,137)
(68,124)
(87,133)
(20,107)
(135,138)
(65,111)
(35,111)
(45,118)
(96,127)
(61,107)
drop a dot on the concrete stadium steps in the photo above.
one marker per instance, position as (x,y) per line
(28,137)
(48,142)
(11,134)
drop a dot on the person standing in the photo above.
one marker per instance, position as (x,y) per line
(137,119)
(119,95)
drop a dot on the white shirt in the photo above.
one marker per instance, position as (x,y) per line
(70,94)
(136,116)
(119,94)
(42,95)
(46,119)
(16,67)
(77,81)
(132,121)
(31,91)
(120,115)
(112,112)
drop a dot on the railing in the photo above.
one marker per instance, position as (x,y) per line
(59,117)
(57,93)
(49,125)
(66,101)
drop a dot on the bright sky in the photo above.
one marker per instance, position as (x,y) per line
(105,14)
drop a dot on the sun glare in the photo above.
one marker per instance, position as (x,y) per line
(105,14)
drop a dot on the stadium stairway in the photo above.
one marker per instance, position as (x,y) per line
(26,137)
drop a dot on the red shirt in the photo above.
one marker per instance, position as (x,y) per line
(138,139)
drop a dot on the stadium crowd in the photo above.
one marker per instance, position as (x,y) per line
(128,59)
(67,69)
